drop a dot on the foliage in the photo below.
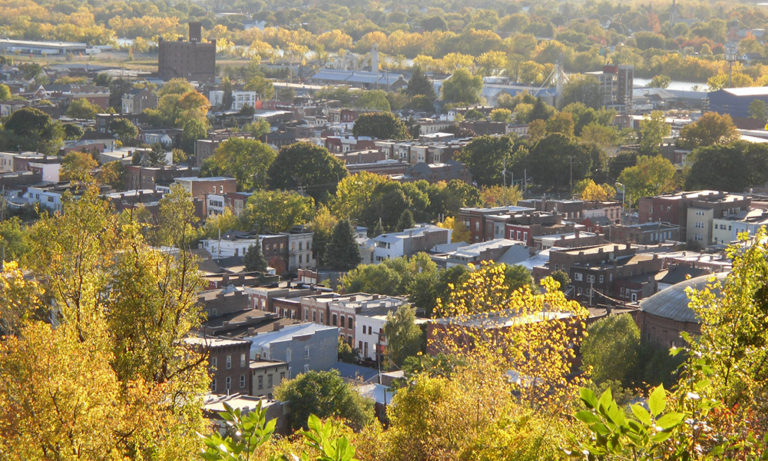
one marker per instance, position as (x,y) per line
(585,90)
(588,190)
(373,100)
(342,252)
(405,221)
(653,130)
(462,88)
(380,125)
(485,156)
(325,394)
(176,218)
(610,350)
(307,167)
(555,159)
(712,128)
(459,233)
(345,352)
(404,337)
(322,225)
(353,194)
(494,196)
(77,165)
(246,160)
(254,259)
(250,431)
(538,345)
(650,176)
(83,109)
(758,109)
(660,81)
(735,167)
(617,434)
(124,129)
(32,129)
(275,211)
(115,379)
(419,85)
(561,277)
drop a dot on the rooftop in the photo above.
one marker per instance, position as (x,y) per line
(672,303)
(213,342)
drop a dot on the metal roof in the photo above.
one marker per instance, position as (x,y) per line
(672,302)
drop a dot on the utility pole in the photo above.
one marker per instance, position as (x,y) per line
(570,157)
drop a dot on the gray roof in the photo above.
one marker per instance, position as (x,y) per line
(672,302)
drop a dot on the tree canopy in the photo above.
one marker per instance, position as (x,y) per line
(309,168)
(380,125)
(246,160)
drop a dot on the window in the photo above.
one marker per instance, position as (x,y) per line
(602,278)
(229,383)
(288,354)
(260,382)
(306,352)
(282,376)
(333,320)
(213,385)
(369,329)
(578,276)
(314,316)
(269,380)
(242,381)
(349,323)
(213,362)
(590,278)
(634,297)
(229,362)
(321,317)
(300,246)
(242,360)
(306,368)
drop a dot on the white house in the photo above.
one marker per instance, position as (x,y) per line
(300,251)
(423,237)
(239,98)
(227,248)
(46,198)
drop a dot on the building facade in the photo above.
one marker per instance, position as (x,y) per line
(192,60)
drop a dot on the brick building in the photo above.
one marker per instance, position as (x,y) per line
(608,274)
(192,60)
(229,363)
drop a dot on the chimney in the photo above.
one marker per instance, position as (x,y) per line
(577,233)
(277,326)
(615,248)
(195,32)
(629,245)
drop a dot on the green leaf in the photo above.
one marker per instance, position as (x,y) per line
(670,420)
(587,416)
(661,436)
(657,400)
(641,414)
(588,397)
(605,399)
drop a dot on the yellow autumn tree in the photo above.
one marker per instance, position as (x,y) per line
(529,339)
(460,232)
(113,379)
(587,189)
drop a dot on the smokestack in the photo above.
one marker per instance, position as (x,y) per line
(195,32)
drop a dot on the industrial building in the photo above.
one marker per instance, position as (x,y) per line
(192,60)
(735,101)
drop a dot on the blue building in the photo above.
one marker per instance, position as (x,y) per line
(304,346)
(735,101)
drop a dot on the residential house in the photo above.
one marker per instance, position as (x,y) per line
(649,233)
(423,237)
(266,375)
(228,361)
(304,347)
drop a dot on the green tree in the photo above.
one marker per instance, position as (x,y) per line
(735,167)
(353,194)
(405,221)
(712,128)
(404,337)
(262,86)
(124,129)
(758,109)
(374,100)
(192,130)
(419,85)
(585,90)
(611,349)
(32,129)
(275,211)
(650,176)
(561,122)
(462,88)
(660,81)
(5,92)
(342,252)
(254,259)
(83,109)
(176,218)
(308,167)
(555,158)
(246,160)
(13,239)
(72,131)
(381,125)
(653,130)
(325,394)
(486,156)
(501,115)
(77,165)
(562,278)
